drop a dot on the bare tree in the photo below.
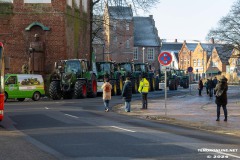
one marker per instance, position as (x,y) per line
(228,30)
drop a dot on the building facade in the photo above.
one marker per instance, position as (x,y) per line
(38,34)
(118,33)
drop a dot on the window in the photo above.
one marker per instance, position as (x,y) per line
(6,1)
(69,2)
(85,5)
(194,62)
(37,1)
(128,44)
(150,53)
(114,26)
(214,64)
(135,53)
(115,38)
(199,62)
(127,26)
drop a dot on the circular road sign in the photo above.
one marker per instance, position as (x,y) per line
(165,58)
(190,69)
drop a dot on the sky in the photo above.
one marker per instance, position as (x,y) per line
(188,19)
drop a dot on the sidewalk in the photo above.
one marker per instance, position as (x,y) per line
(192,110)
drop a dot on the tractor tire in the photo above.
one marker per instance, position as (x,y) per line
(55,90)
(80,89)
(114,88)
(119,85)
(152,83)
(92,87)
(134,86)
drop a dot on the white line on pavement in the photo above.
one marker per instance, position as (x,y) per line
(46,108)
(71,116)
(122,129)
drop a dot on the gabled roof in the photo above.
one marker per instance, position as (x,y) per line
(191,46)
(145,33)
(171,46)
(223,54)
(120,13)
(208,47)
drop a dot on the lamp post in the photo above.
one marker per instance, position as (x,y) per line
(143,54)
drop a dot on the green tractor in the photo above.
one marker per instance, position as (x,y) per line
(109,69)
(72,79)
(172,79)
(183,78)
(145,68)
(127,68)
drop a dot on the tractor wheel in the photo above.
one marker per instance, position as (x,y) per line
(134,86)
(114,88)
(119,85)
(92,87)
(152,83)
(55,90)
(80,89)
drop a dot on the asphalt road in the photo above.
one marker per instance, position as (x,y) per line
(80,129)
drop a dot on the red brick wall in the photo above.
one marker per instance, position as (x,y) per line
(67,38)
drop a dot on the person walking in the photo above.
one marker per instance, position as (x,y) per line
(143,89)
(221,97)
(200,87)
(215,81)
(210,87)
(106,87)
(127,94)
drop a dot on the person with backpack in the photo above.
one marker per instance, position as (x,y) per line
(221,97)
(127,93)
(106,87)
(143,89)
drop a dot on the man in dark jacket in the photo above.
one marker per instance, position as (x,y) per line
(221,97)
(127,94)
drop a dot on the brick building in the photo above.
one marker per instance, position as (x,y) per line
(146,41)
(38,34)
(118,33)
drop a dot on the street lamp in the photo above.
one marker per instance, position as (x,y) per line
(143,54)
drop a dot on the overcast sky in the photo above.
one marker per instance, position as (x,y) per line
(188,19)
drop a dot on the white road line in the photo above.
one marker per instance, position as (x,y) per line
(71,116)
(122,129)
(46,108)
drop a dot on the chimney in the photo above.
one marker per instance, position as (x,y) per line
(151,16)
(175,41)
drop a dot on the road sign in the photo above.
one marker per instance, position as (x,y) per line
(165,58)
(190,69)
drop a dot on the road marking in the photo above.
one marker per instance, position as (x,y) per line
(46,108)
(122,129)
(71,116)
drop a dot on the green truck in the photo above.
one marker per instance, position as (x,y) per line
(21,86)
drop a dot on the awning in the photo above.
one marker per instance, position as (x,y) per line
(213,70)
